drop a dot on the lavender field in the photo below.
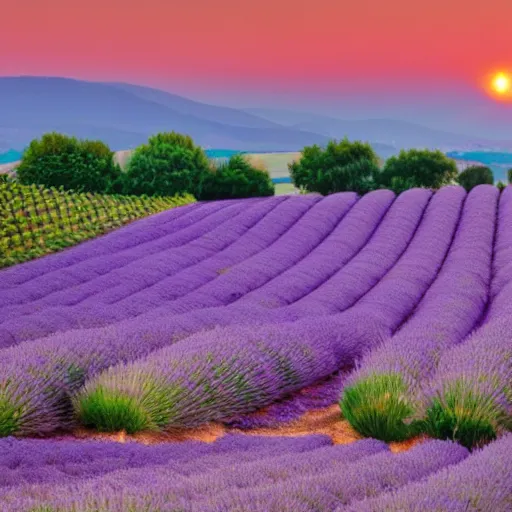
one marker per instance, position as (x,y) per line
(250,313)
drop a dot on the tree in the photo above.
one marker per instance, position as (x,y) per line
(57,160)
(509,176)
(168,164)
(418,168)
(475,175)
(341,166)
(236,178)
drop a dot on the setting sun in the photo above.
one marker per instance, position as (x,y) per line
(502,83)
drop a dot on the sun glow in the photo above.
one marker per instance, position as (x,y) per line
(498,84)
(502,83)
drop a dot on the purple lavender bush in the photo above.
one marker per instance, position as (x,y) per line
(365,270)
(480,483)
(381,398)
(37,378)
(334,484)
(470,397)
(314,480)
(503,244)
(59,461)
(221,373)
(342,245)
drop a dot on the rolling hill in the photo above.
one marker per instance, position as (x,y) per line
(386,132)
(124,116)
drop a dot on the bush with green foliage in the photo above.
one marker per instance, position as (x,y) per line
(475,175)
(236,179)
(417,168)
(509,175)
(378,407)
(168,164)
(341,166)
(462,415)
(57,160)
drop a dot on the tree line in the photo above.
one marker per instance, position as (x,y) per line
(171,164)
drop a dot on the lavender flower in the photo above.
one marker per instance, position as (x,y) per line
(221,373)
(481,483)
(470,397)
(317,480)
(503,244)
(56,462)
(336,484)
(182,480)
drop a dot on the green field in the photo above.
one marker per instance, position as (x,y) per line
(285,188)
(275,163)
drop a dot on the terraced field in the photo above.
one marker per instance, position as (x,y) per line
(249,313)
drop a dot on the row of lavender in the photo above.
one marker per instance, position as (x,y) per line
(257,474)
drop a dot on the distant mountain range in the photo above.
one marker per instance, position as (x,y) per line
(388,132)
(124,115)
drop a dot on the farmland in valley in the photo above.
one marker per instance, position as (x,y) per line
(242,314)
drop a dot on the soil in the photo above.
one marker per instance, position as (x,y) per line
(321,421)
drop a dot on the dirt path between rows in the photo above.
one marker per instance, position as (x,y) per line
(321,421)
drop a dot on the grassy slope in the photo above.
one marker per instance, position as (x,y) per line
(35,221)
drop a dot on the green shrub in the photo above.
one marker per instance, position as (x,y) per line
(169,164)
(501,186)
(112,411)
(464,416)
(8,418)
(400,184)
(475,175)
(377,407)
(236,179)
(418,168)
(341,166)
(57,160)
(509,176)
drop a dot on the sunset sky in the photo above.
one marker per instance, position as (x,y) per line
(235,48)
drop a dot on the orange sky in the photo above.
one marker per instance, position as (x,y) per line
(257,42)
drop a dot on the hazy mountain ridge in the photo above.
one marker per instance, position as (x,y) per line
(184,105)
(396,133)
(31,106)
